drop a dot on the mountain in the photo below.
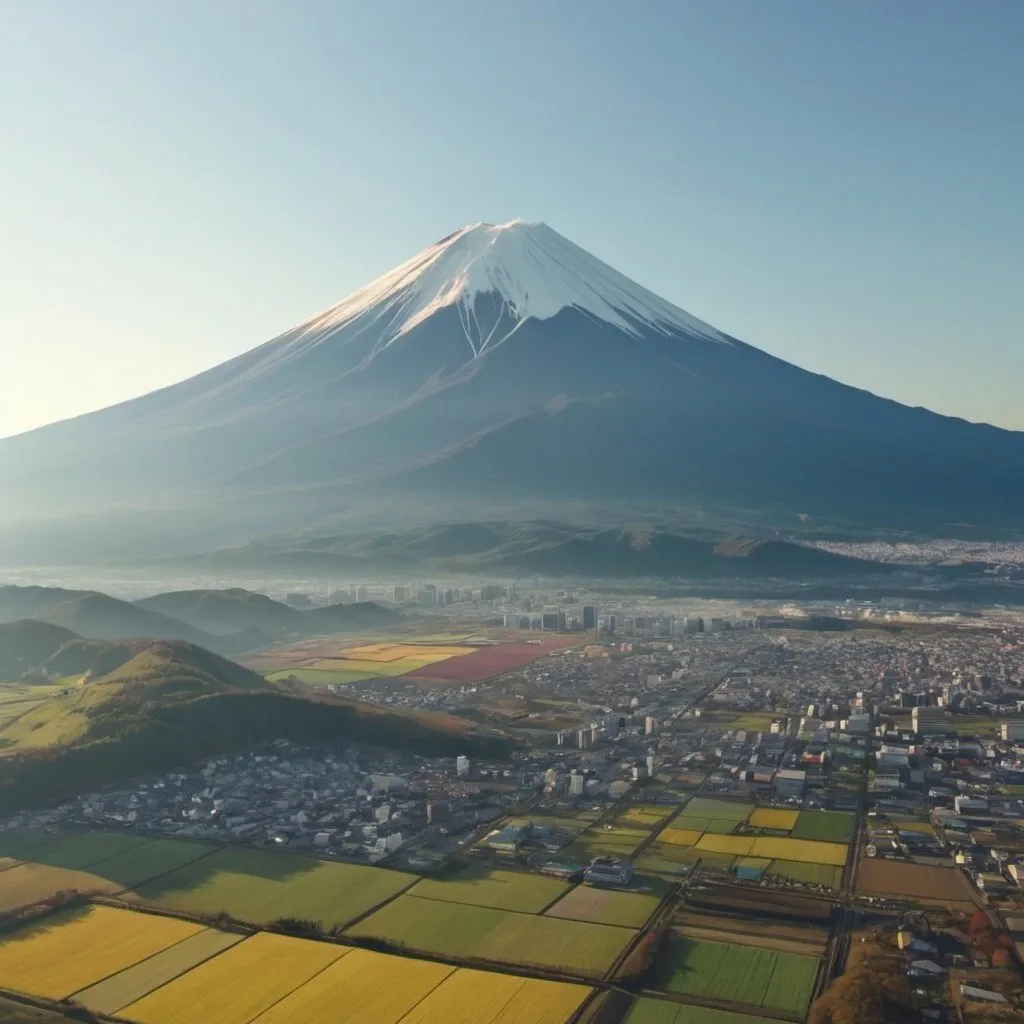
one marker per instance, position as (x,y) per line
(168,704)
(92,614)
(502,372)
(28,644)
(545,548)
(234,610)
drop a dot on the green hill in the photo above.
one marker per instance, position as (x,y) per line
(169,704)
(26,644)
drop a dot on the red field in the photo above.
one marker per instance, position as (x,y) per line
(491,661)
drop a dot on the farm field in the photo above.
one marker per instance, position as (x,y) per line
(492,661)
(899,879)
(730,899)
(28,883)
(606,906)
(370,988)
(239,984)
(460,930)
(606,841)
(770,817)
(665,859)
(75,948)
(81,850)
(740,974)
(707,807)
(783,936)
(256,886)
(479,997)
(321,677)
(14,842)
(493,887)
(830,826)
(643,817)
(807,851)
(131,984)
(814,874)
(679,836)
(646,1010)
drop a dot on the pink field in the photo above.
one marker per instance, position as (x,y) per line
(491,661)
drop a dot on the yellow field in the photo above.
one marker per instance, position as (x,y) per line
(737,846)
(371,988)
(395,652)
(238,985)
(479,997)
(28,883)
(645,815)
(806,851)
(398,667)
(769,817)
(679,836)
(77,948)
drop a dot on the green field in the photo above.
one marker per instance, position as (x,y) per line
(832,826)
(739,974)
(259,887)
(460,930)
(15,842)
(483,886)
(81,850)
(717,826)
(660,1011)
(606,842)
(817,874)
(707,807)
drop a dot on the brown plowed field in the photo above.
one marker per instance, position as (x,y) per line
(491,661)
(900,879)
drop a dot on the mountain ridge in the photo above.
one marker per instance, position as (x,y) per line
(506,366)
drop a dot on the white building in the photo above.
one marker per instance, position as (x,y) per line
(462,766)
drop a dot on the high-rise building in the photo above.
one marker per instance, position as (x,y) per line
(576,784)
(401,595)
(611,623)
(650,724)
(462,766)
(562,621)
(929,721)
(549,620)
(1011,731)
(589,617)
(362,592)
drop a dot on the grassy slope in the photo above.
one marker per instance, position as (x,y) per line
(172,704)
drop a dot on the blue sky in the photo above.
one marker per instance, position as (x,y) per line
(837,183)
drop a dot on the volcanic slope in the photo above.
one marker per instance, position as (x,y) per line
(503,366)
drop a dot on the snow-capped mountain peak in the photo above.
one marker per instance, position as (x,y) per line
(532,269)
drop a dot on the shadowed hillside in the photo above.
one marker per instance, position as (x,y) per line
(169,704)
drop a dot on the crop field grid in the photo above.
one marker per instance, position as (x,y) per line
(461,930)
(127,986)
(239,984)
(770,817)
(740,974)
(78,947)
(479,997)
(486,887)
(262,886)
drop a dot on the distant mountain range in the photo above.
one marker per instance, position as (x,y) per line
(229,621)
(502,372)
(543,548)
